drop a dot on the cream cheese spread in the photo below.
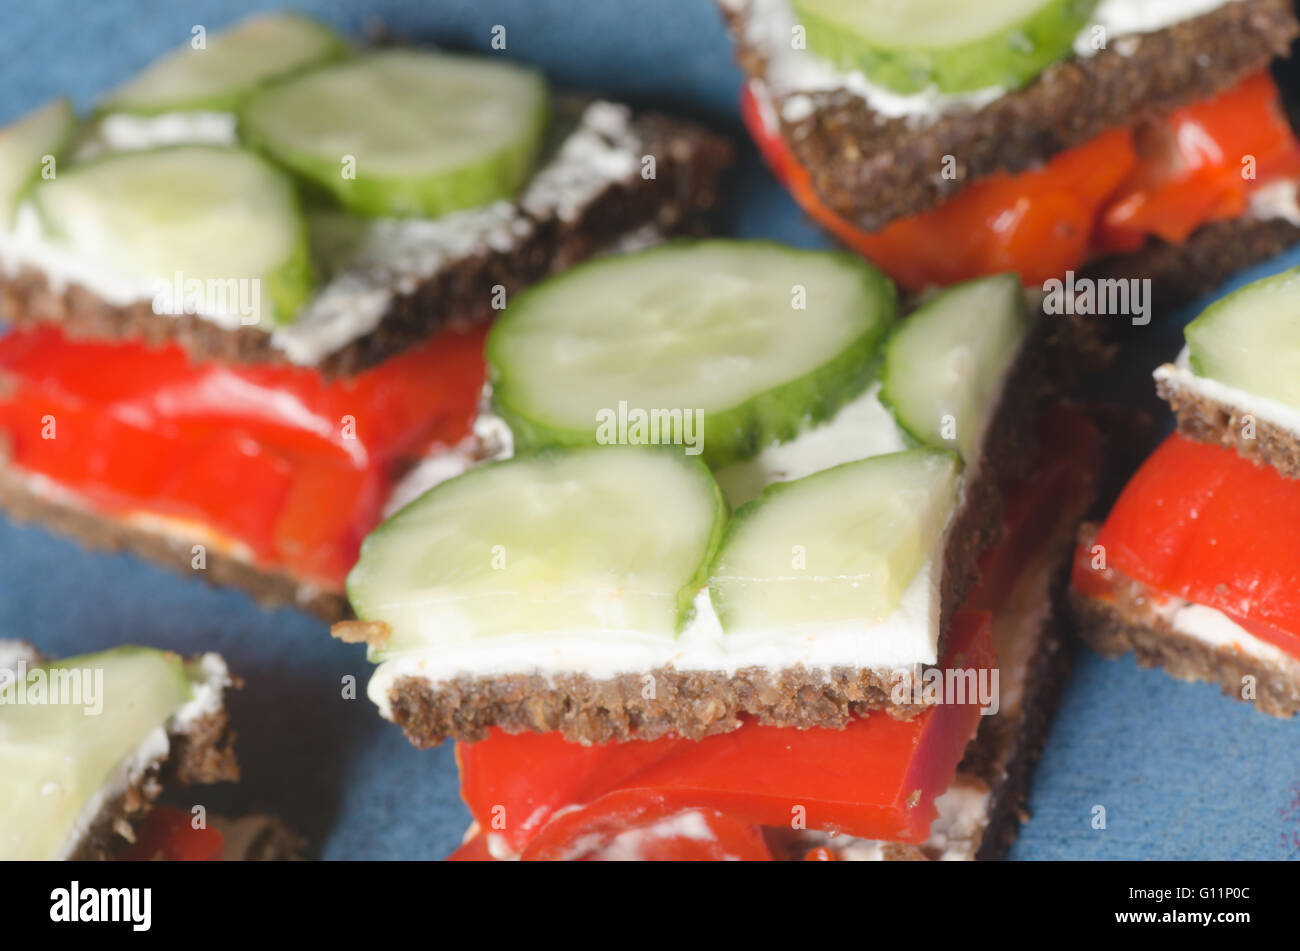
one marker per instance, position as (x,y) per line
(1180,374)
(767,26)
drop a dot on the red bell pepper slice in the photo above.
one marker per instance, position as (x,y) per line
(169,835)
(278,460)
(1196,166)
(1201,523)
(1105,196)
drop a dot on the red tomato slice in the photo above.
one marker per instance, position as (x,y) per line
(645,826)
(169,835)
(1201,523)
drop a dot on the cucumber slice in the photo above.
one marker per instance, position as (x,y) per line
(426,133)
(840,546)
(233,64)
(945,365)
(54,757)
(709,328)
(601,540)
(222,216)
(952,45)
(1250,339)
(23,147)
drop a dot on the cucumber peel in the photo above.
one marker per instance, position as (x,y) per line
(713,328)
(946,364)
(954,46)
(405,133)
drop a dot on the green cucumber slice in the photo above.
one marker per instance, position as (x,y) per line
(589,540)
(406,133)
(710,330)
(234,63)
(945,365)
(225,217)
(23,147)
(54,757)
(837,547)
(953,45)
(1250,339)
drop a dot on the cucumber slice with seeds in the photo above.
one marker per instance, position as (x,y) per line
(1250,340)
(235,62)
(212,214)
(709,328)
(23,147)
(953,45)
(946,364)
(55,756)
(837,547)
(590,540)
(406,133)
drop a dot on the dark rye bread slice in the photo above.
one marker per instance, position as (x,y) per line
(1224,424)
(696,704)
(1130,623)
(684,188)
(201,754)
(872,169)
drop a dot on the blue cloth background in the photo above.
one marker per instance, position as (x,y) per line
(1181,771)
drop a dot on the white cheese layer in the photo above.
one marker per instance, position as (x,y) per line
(1215,629)
(371,261)
(123,132)
(1180,374)
(862,428)
(768,24)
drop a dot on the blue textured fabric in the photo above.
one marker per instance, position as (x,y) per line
(1180,771)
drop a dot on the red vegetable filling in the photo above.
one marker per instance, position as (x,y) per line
(1201,524)
(271,463)
(1164,178)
